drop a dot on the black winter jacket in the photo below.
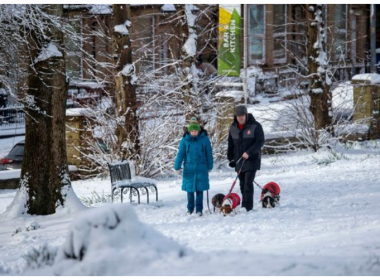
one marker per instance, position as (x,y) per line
(250,140)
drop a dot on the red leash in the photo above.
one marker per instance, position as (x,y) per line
(233,184)
(237,176)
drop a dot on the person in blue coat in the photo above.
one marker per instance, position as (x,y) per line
(195,153)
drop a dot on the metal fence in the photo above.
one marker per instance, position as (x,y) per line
(12,116)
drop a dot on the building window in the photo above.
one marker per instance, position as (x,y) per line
(279,33)
(339,25)
(257,33)
(73,45)
(299,31)
(144,43)
(93,42)
(163,53)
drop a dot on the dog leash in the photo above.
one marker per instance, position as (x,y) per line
(257,185)
(237,176)
(233,184)
(208,203)
(239,159)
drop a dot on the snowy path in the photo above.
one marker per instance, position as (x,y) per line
(327,211)
(328,222)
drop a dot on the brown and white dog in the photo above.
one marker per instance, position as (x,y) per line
(270,195)
(225,203)
(217,201)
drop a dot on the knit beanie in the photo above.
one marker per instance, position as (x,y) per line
(194,125)
(241,111)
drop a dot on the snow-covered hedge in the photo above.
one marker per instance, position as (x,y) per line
(103,238)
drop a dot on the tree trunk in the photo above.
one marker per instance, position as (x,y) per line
(125,92)
(44,170)
(186,29)
(319,92)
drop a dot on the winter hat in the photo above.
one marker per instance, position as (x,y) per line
(241,110)
(194,125)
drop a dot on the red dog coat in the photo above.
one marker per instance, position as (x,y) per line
(273,188)
(234,198)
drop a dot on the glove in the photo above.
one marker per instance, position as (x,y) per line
(179,172)
(232,164)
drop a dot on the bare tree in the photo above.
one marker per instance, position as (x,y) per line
(44,170)
(188,43)
(127,128)
(162,90)
(320,104)
(161,87)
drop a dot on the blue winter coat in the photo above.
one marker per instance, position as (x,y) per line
(196,154)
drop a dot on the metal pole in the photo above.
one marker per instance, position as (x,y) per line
(245,53)
(373,38)
(353,39)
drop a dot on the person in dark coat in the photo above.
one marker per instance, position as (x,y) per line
(3,100)
(245,140)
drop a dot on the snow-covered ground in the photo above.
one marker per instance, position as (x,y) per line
(328,223)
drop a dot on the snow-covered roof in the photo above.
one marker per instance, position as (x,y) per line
(106,8)
(100,9)
(371,78)
(97,9)
(168,8)
(171,8)
(86,84)
(236,94)
(77,112)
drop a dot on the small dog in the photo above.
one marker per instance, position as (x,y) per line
(230,202)
(217,201)
(270,195)
(225,203)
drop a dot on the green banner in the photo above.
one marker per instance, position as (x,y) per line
(229,53)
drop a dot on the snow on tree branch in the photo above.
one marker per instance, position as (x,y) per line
(122,28)
(190,46)
(48,52)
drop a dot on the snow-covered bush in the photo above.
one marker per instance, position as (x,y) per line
(40,257)
(95,199)
(103,237)
(293,120)
(330,158)
(32,225)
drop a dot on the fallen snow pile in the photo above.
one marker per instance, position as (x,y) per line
(18,207)
(110,240)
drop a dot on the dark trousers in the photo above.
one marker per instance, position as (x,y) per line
(198,202)
(246,188)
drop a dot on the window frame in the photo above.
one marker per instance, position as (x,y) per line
(263,36)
